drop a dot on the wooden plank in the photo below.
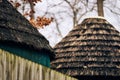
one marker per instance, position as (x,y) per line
(13,67)
(1,56)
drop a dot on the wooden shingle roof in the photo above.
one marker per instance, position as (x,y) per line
(91,48)
(15,29)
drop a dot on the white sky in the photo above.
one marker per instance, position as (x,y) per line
(50,31)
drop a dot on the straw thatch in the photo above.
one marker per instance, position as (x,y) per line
(16,30)
(13,67)
(90,49)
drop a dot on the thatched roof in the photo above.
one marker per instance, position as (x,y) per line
(15,29)
(91,48)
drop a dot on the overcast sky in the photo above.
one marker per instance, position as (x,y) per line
(50,31)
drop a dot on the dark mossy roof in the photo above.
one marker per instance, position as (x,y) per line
(91,48)
(14,28)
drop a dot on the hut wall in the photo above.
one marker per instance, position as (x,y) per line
(13,67)
(36,56)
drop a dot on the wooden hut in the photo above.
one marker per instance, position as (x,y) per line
(90,51)
(19,37)
(24,53)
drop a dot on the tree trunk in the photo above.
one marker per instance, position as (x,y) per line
(100,8)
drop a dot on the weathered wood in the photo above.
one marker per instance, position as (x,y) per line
(100,8)
(91,48)
(16,29)
(13,67)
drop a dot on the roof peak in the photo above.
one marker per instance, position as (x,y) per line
(99,17)
(91,48)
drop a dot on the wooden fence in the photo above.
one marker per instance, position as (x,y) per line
(13,67)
